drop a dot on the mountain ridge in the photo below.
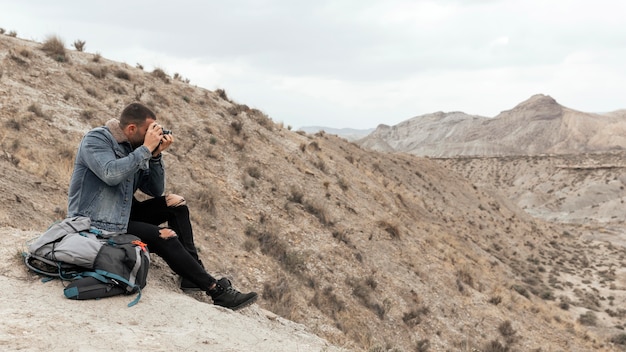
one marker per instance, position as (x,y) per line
(538,125)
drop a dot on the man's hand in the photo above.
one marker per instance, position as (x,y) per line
(166,141)
(153,137)
(160,141)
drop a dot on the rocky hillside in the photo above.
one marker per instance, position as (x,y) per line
(536,126)
(575,189)
(371,251)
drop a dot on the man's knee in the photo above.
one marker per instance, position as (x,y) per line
(174,200)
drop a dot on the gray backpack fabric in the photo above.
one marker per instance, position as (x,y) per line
(71,241)
(98,264)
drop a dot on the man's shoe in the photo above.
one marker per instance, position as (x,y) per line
(226,296)
(188,286)
(224,282)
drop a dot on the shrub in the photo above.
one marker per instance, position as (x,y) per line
(116,88)
(328,302)
(160,74)
(547,295)
(391,229)
(18,59)
(363,290)
(295,195)
(280,297)
(272,245)
(588,319)
(342,236)
(495,300)
(122,74)
(521,290)
(507,331)
(91,91)
(35,109)
(343,184)
(79,45)
(465,275)
(422,345)
(248,181)
(13,124)
(207,200)
(320,164)
(619,339)
(87,114)
(238,109)
(414,317)
(254,171)
(222,94)
(97,71)
(237,126)
(317,208)
(54,47)
(495,346)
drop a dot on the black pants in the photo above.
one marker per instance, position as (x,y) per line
(179,253)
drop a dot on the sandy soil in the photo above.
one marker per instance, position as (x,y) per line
(37,317)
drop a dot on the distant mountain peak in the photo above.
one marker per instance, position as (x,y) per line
(537,101)
(537,107)
(538,125)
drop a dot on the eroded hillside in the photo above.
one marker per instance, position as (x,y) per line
(371,251)
(539,125)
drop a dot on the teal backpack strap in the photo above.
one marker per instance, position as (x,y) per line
(130,287)
(96,276)
(106,277)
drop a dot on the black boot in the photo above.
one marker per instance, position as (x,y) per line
(223,294)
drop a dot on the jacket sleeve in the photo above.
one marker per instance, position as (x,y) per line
(152,181)
(100,154)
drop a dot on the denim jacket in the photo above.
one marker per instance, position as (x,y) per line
(107,172)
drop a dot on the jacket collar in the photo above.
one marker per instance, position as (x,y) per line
(114,127)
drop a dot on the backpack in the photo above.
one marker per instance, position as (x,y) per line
(97,264)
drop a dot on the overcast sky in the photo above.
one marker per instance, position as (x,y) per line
(357,63)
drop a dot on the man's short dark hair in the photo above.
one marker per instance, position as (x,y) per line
(135,113)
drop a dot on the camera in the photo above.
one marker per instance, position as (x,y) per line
(167,131)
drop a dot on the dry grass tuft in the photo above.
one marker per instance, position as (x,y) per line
(54,47)
(122,74)
(160,74)
(279,295)
(389,227)
(97,71)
